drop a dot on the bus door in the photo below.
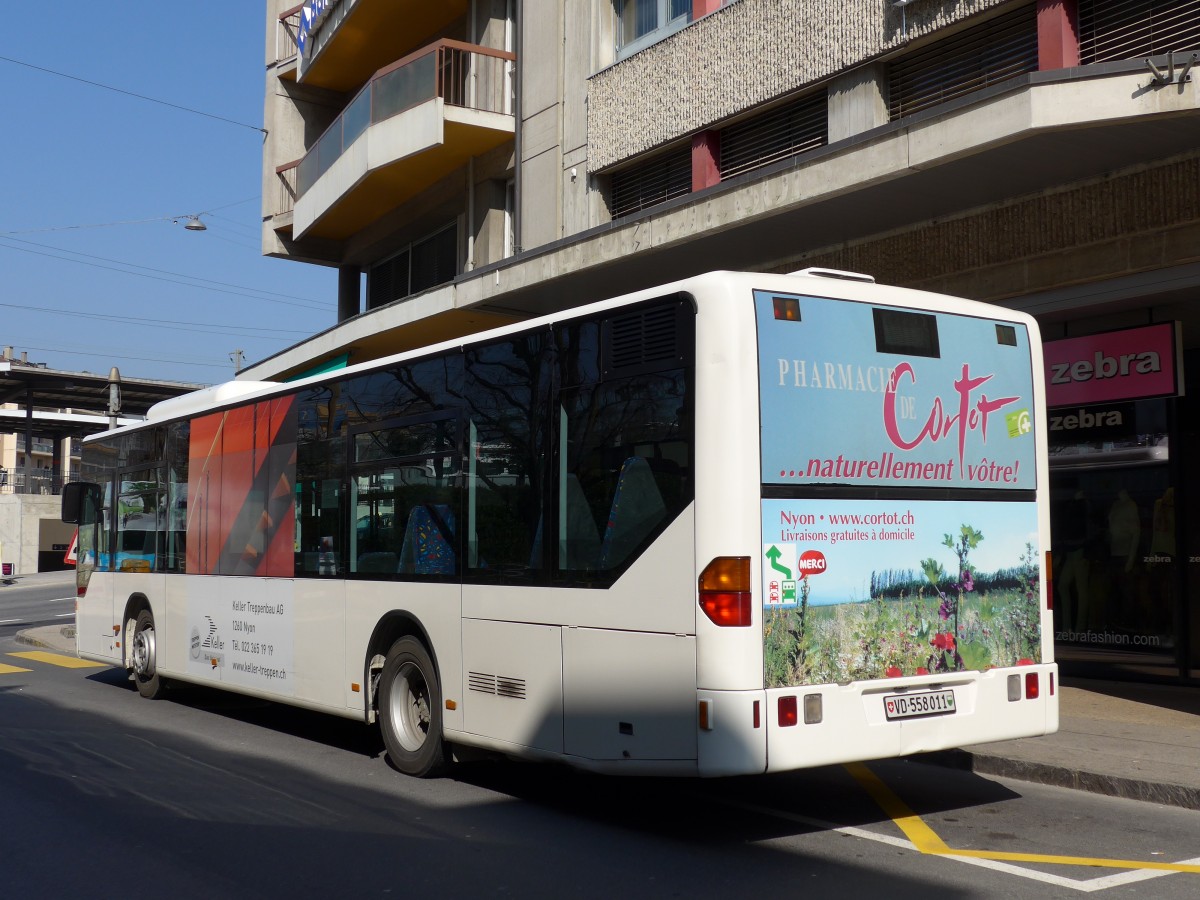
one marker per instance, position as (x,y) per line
(94,618)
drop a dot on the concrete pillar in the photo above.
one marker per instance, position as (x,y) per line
(1058,34)
(706,159)
(857,102)
(349,294)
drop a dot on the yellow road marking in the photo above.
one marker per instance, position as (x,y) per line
(926,840)
(9,670)
(57,659)
(914,828)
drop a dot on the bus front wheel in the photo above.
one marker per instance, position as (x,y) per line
(142,657)
(410,710)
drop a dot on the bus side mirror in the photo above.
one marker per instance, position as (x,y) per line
(80,502)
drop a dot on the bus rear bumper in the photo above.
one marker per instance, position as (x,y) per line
(877,720)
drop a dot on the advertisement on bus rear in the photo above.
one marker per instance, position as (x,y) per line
(866,589)
(873,396)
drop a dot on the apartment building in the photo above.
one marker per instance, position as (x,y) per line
(468,162)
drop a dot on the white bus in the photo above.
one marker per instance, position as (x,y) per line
(740,523)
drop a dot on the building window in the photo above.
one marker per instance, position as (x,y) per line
(653,181)
(785,131)
(419,266)
(1132,29)
(965,62)
(641,23)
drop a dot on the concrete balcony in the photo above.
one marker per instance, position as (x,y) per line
(353,38)
(415,122)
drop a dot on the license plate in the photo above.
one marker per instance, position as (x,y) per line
(911,706)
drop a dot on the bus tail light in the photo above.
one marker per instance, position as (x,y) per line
(1032,683)
(725,591)
(788,713)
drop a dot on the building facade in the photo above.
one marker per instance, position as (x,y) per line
(468,162)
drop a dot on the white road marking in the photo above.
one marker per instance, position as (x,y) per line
(1095,884)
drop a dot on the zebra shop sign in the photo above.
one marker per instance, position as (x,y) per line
(1131,364)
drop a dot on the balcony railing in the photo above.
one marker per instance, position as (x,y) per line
(286,174)
(287,34)
(461,74)
(40,445)
(32,480)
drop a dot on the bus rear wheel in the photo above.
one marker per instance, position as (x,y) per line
(143,657)
(410,710)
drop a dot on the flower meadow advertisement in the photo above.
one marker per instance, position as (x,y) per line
(890,402)
(863,589)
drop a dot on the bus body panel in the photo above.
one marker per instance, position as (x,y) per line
(629,695)
(95,618)
(728,659)
(513,683)
(736,741)
(280,637)
(437,610)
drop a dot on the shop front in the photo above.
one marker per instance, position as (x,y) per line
(1118,481)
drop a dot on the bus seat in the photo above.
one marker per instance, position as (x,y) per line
(428,547)
(637,508)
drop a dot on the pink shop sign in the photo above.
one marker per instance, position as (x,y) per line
(1135,363)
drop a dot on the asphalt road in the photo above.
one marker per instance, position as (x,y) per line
(212,795)
(32,601)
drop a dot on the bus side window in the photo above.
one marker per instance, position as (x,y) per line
(628,468)
(507,468)
(637,509)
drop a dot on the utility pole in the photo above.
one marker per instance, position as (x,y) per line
(236,357)
(114,396)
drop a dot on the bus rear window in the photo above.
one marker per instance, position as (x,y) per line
(909,333)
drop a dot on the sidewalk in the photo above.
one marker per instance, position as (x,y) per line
(1125,739)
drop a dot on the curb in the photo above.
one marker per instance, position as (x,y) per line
(1060,776)
(61,639)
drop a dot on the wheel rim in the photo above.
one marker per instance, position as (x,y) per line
(143,651)
(410,707)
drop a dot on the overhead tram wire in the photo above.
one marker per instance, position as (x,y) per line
(203,283)
(264,332)
(207,212)
(117,90)
(106,355)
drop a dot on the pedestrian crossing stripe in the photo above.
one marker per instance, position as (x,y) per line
(6,669)
(57,659)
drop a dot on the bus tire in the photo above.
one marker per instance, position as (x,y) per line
(410,710)
(143,657)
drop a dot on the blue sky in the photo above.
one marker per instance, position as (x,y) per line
(81,293)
